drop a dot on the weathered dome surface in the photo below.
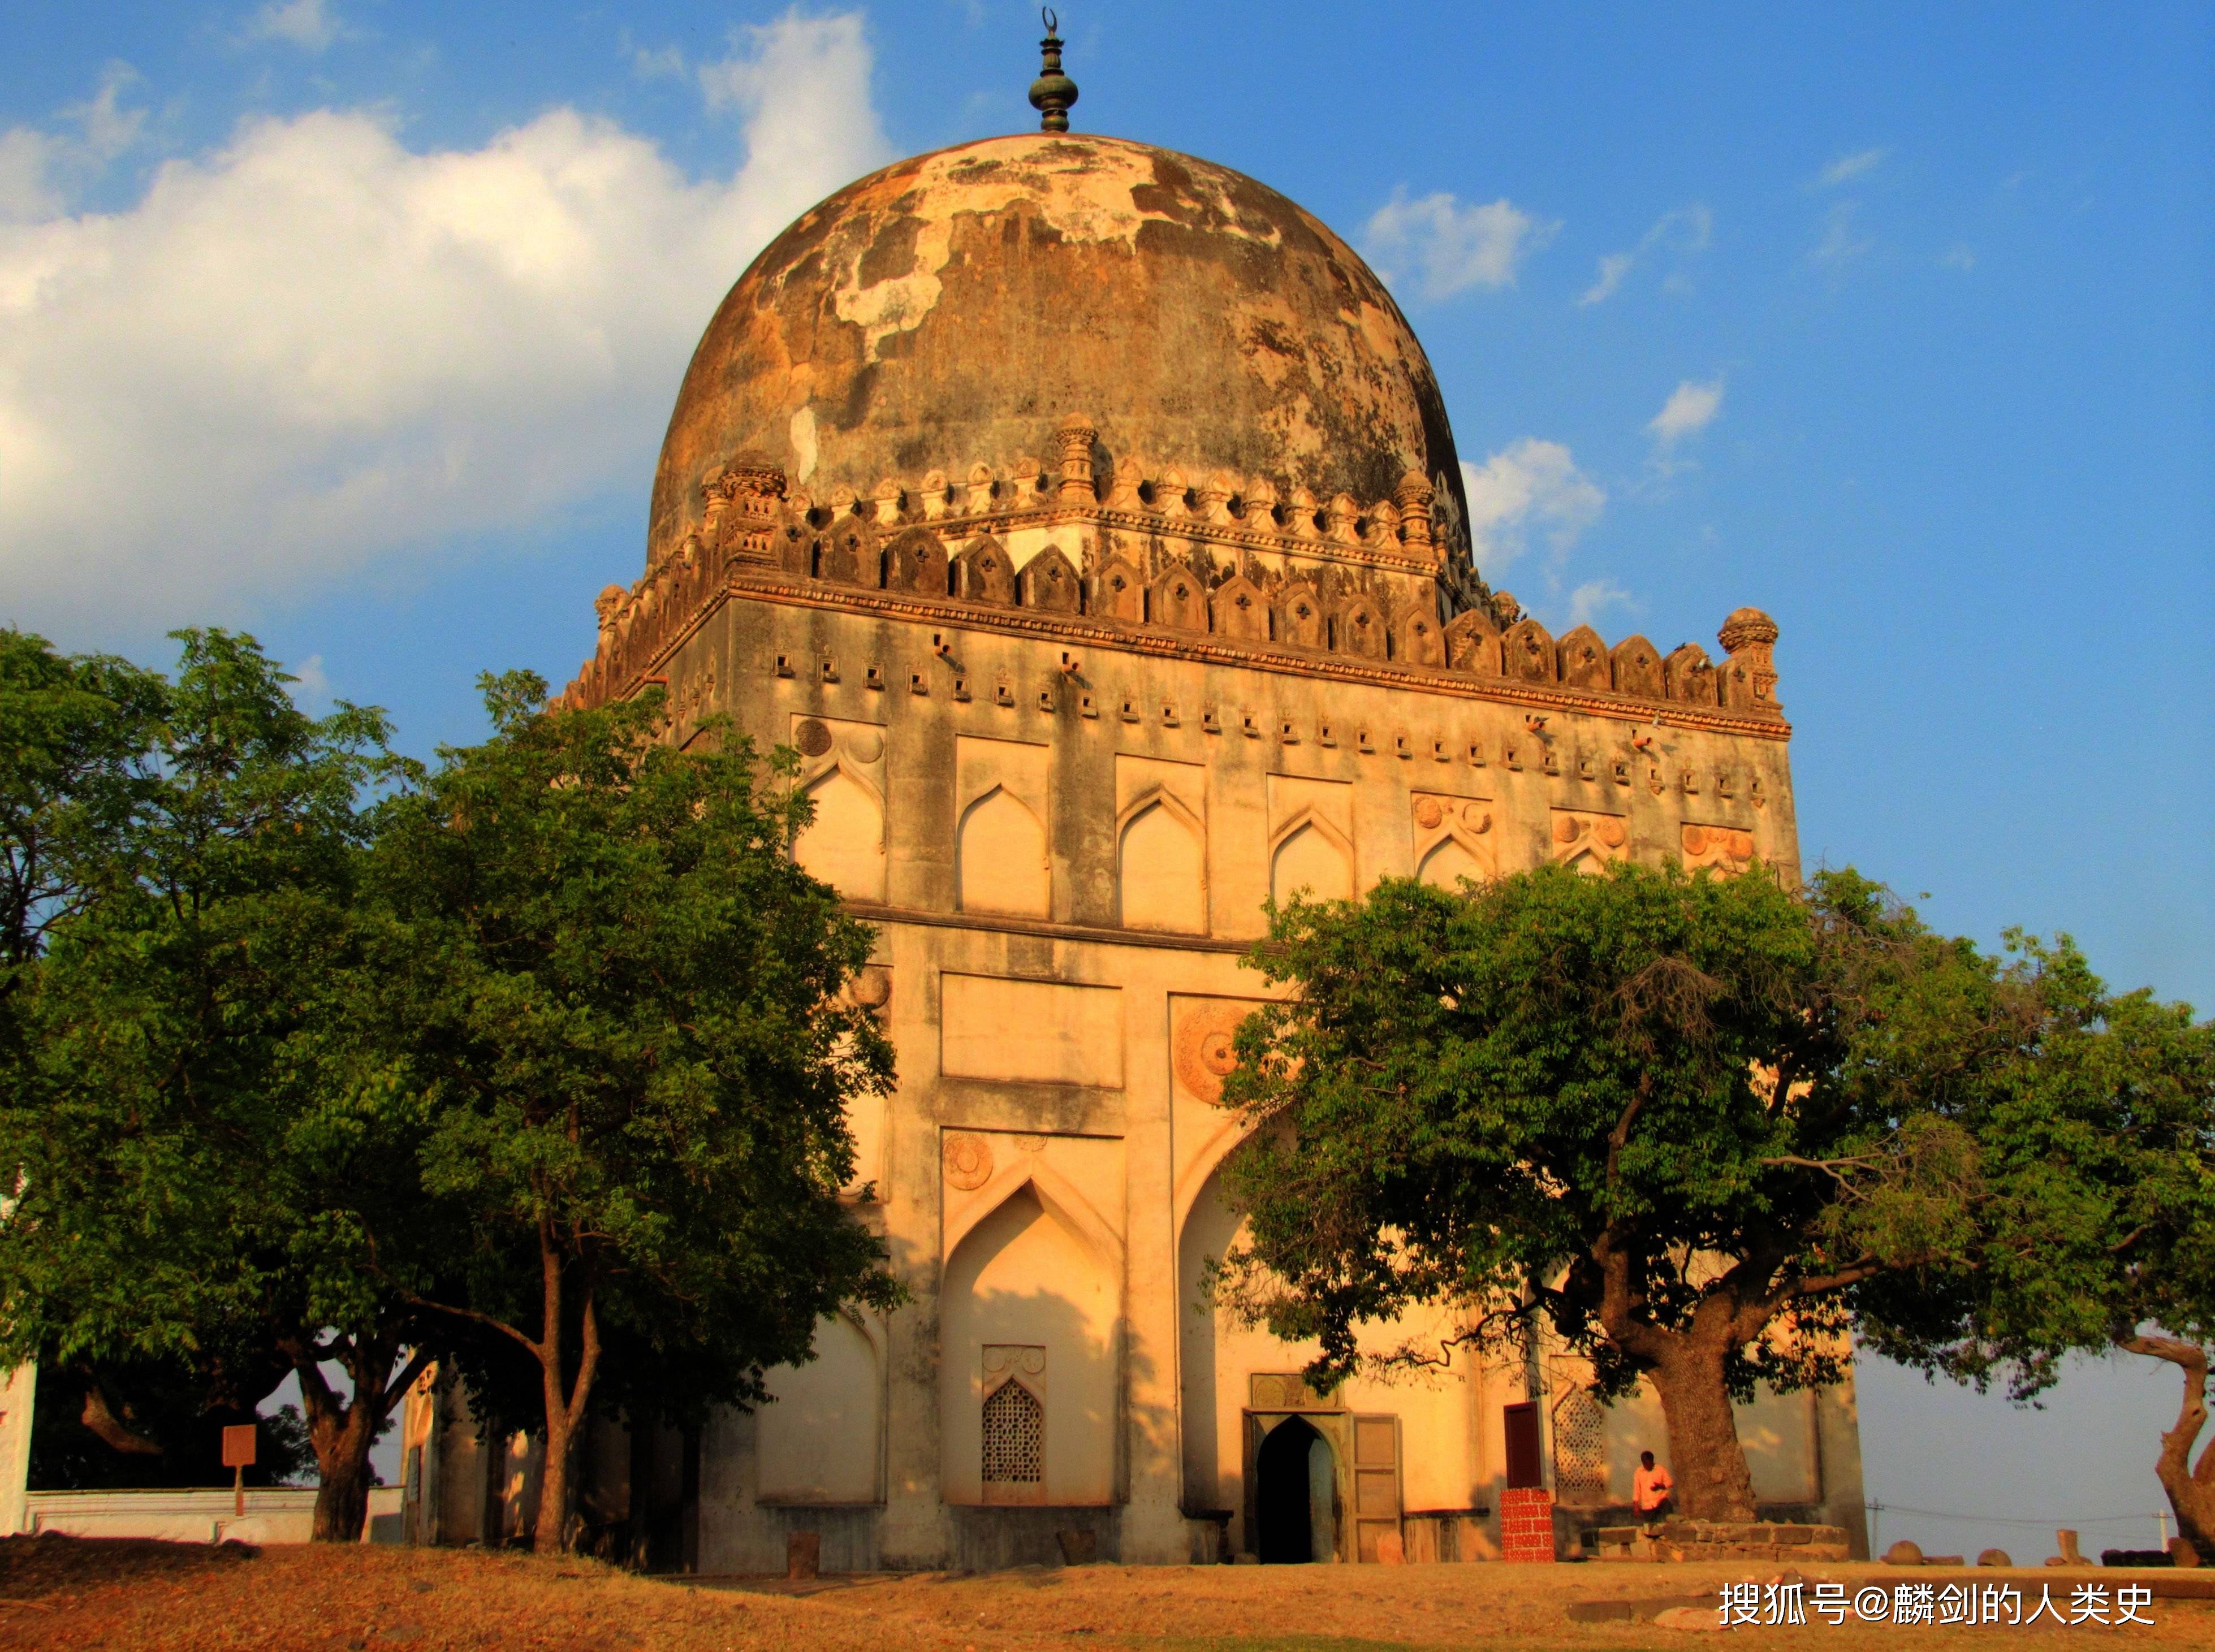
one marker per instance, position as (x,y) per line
(953,307)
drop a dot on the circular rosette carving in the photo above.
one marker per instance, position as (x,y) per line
(968,1160)
(1428,813)
(812,736)
(1206,1050)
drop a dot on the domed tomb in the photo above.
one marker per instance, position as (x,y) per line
(952,308)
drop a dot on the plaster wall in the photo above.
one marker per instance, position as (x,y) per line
(1065,851)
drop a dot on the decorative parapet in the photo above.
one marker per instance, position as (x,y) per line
(1318,582)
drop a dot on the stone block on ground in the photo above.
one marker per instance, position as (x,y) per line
(1078,1548)
(803,1554)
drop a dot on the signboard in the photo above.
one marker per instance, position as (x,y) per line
(238,1445)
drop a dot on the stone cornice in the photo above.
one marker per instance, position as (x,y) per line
(1046,928)
(1209,648)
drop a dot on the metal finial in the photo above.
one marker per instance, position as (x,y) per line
(1053,92)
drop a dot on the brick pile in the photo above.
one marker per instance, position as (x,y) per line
(1526,1524)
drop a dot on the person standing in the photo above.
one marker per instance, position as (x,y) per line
(1649,1490)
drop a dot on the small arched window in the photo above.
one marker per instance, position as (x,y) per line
(1014,1441)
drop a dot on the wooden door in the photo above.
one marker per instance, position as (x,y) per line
(1376,1482)
(1524,1467)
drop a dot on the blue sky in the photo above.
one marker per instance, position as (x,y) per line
(356,324)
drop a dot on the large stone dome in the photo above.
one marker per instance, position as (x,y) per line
(955,308)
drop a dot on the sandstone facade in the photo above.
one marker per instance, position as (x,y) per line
(1200,629)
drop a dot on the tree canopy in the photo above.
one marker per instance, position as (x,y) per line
(2102,1231)
(181,1177)
(1690,1121)
(619,1007)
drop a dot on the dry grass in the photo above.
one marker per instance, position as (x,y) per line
(150,1597)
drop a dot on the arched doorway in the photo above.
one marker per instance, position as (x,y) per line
(1294,1508)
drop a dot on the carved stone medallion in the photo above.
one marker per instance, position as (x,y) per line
(968,1160)
(1204,1049)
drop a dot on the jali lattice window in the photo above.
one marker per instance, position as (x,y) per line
(1579,1447)
(1015,1436)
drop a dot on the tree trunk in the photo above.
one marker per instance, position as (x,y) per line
(1705,1456)
(341,1433)
(565,1412)
(342,1496)
(2191,1491)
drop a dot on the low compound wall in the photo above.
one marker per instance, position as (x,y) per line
(1681,1540)
(281,1514)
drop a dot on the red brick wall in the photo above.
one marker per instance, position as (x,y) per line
(1526,1524)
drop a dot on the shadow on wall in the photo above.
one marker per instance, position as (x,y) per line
(1028,1301)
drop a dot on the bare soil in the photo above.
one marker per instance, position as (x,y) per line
(151,1597)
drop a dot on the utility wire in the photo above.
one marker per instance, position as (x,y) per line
(2057,1521)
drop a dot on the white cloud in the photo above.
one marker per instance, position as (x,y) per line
(313,682)
(1529,486)
(1691,408)
(1593,597)
(311,25)
(39,170)
(28,162)
(1840,244)
(1847,168)
(656,63)
(1444,248)
(316,349)
(1684,230)
(1613,267)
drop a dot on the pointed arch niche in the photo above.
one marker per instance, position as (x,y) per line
(1037,1271)
(1160,845)
(1219,1360)
(844,844)
(1310,854)
(821,1441)
(1000,852)
(1311,838)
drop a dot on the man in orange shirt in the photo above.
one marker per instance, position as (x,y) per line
(1649,1490)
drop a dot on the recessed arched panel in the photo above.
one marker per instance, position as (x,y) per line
(1000,858)
(1161,871)
(1446,866)
(844,844)
(1311,857)
(820,1440)
(1023,1279)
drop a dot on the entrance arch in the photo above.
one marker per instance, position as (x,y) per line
(1295,1507)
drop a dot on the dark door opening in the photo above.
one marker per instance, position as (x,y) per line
(1283,1498)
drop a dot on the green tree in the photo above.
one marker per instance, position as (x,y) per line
(2102,1234)
(75,739)
(621,1013)
(190,1184)
(1685,1120)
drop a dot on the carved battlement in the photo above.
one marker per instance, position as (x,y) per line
(1225,560)
(1217,506)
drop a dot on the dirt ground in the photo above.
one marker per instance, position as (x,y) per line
(150,1597)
